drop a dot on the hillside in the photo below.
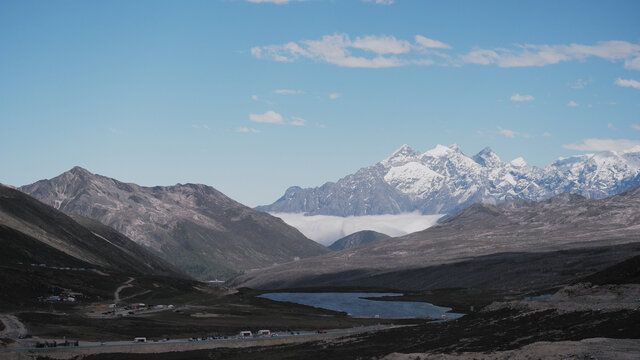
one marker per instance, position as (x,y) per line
(552,240)
(195,227)
(34,233)
(357,239)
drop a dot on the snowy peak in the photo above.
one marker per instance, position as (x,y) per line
(518,162)
(487,158)
(444,180)
(440,151)
(455,147)
(401,156)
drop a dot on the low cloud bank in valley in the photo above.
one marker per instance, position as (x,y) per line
(327,229)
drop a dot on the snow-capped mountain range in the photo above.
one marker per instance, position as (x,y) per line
(444,180)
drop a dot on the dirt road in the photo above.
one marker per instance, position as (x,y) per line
(116,294)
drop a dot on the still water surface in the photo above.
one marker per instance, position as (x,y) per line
(354,304)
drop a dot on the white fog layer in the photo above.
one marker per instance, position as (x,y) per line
(327,229)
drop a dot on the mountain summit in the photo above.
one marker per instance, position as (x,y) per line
(195,227)
(444,180)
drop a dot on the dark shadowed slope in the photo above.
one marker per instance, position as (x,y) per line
(195,227)
(32,232)
(495,233)
(357,239)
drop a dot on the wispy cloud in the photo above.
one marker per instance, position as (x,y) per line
(627,83)
(389,51)
(572,104)
(579,84)
(611,126)
(278,2)
(334,96)
(380,2)
(546,134)
(635,127)
(603,145)
(297,121)
(375,51)
(430,43)
(288,92)
(198,126)
(542,55)
(270,117)
(633,63)
(517,97)
(506,132)
(248,130)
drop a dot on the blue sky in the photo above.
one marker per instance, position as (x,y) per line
(253,97)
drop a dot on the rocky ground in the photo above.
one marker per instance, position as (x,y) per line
(594,348)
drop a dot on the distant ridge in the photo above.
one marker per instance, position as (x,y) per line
(357,239)
(444,180)
(193,226)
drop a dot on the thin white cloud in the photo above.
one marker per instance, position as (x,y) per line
(633,63)
(388,51)
(572,104)
(198,126)
(579,84)
(270,117)
(337,49)
(517,97)
(627,83)
(546,134)
(380,2)
(381,45)
(297,121)
(288,92)
(611,126)
(542,55)
(278,2)
(430,43)
(506,132)
(334,96)
(255,97)
(603,145)
(635,127)
(247,130)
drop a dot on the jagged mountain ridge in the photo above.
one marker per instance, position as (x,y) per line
(195,227)
(33,232)
(444,180)
(514,241)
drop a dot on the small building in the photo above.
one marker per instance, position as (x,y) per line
(264,333)
(246,333)
(140,339)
